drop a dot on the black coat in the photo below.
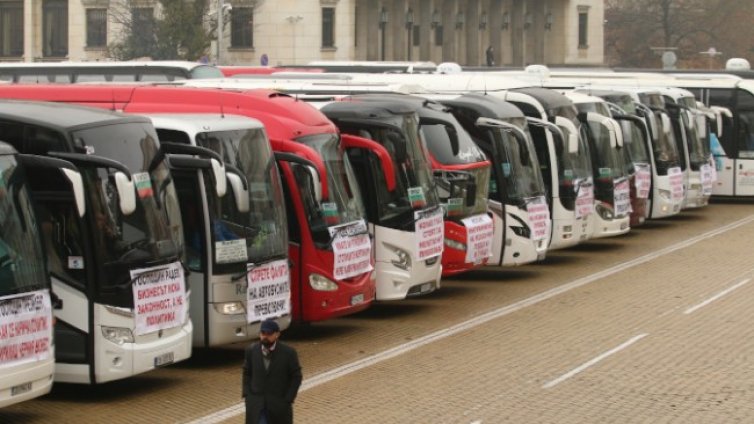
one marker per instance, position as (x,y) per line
(273,389)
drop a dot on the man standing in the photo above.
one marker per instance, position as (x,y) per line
(490,56)
(271,378)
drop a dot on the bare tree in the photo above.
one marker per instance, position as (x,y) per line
(166,30)
(689,26)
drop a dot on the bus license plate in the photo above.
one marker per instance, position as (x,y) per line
(356,299)
(20,389)
(425,287)
(164,359)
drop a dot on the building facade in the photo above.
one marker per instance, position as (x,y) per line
(286,32)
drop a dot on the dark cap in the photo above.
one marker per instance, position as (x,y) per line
(269,326)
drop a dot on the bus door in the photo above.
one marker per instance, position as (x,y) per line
(70,257)
(724,146)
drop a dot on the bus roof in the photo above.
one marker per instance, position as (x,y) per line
(106,64)
(484,105)
(61,116)
(202,122)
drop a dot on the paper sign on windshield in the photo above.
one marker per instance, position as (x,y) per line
(585,200)
(430,234)
(675,175)
(707,179)
(231,251)
(352,249)
(143,184)
(416,197)
(268,293)
(159,297)
(479,234)
(539,218)
(642,180)
(25,328)
(622,198)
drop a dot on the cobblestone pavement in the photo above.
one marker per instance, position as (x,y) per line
(657,338)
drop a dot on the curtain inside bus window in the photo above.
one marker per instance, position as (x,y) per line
(55,28)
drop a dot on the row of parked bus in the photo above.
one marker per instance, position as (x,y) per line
(140,221)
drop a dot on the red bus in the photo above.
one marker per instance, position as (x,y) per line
(324,205)
(462,177)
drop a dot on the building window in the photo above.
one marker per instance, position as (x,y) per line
(583,23)
(242,28)
(11,28)
(142,30)
(438,35)
(416,36)
(96,27)
(55,28)
(328,27)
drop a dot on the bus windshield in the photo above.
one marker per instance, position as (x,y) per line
(609,163)
(698,154)
(152,234)
(665,148)
(574,169)
(344,202)
(21,267)
(450,144)
(633,142)
(261,233)
(519,163)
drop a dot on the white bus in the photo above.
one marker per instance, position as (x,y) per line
(119,269)
(612,191)
(91,72)
(27,350)
(227,237)
(517,195)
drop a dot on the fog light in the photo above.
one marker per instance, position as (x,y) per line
(230,308)
(117,362)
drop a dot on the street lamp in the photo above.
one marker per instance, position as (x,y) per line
(506,21)
(409,29)
(548,21)
(383,25)
(435,19)
(294,19)
(460,20)
(222,7)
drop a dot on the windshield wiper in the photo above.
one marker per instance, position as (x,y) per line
(344,231)
(422,214)
(250,267)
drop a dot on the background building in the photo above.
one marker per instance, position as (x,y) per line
(283,32)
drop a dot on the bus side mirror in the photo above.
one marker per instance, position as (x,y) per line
(126,192)
(216,162)
(572,138)
(310,167)
(77,185)
(69,170)
(240,191)
(388,167)
(218,172)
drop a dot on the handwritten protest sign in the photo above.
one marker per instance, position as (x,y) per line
(25,328)
(159,297)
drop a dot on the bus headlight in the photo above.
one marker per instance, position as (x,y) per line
(230,308)
(605,211)
(403,260)
(118,335)
(665,194)
(455,244)
(520,231)
(321,283)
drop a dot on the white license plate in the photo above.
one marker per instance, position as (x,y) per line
(20,389)
(164,359)
(425,287)
(356,299)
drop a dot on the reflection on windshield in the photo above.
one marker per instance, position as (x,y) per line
(263,228)
(574,168)
(21,265)
(414,187)
(519,164)
(609,164)
(153,231)
(344,202)
(698,155)
(633,142)
(665,148)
